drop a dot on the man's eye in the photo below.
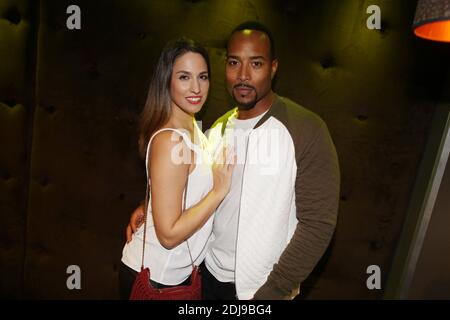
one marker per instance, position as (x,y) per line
(257,64)
(232,62)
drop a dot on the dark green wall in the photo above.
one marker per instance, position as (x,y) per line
(70,174)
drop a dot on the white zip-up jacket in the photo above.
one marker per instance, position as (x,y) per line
(289,200)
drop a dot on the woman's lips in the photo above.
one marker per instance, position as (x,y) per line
(194,99)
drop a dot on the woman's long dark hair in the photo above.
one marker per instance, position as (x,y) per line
(157,108)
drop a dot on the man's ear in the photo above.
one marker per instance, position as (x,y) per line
(274,68)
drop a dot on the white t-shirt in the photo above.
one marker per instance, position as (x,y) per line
(172,267)
(221,254)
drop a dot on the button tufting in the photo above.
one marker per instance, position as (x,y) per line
(13,16)
(44,181)
(6,176)
(376,245)
(49,109)
(384,28)
(362,117)
(328,62)
(11,102)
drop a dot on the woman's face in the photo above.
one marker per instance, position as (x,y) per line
(190,82)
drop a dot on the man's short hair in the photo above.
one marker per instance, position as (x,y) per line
(257,26)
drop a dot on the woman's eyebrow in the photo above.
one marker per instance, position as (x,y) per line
(187,72)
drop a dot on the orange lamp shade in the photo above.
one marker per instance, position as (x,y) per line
(432,20)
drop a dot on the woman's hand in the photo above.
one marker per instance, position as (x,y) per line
(136,220)
(223,171)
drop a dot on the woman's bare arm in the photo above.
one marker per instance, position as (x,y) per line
(168,180)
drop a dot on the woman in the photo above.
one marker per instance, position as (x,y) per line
(176,156)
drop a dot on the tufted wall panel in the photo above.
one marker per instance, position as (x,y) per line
(370,88)
(76,133)
(18,29)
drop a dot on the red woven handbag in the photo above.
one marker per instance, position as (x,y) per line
(142,287)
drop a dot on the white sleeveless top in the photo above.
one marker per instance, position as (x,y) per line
(172,267)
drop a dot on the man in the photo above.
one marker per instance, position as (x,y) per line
(275,224)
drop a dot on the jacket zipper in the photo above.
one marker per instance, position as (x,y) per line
(239,212)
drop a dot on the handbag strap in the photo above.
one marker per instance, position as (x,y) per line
(146,216)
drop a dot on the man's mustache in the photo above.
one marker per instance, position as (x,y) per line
(243,85)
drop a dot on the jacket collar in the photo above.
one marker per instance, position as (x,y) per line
(277,109)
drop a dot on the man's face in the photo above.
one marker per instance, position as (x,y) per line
(249,69)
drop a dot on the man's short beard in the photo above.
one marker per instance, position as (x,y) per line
(246,106)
